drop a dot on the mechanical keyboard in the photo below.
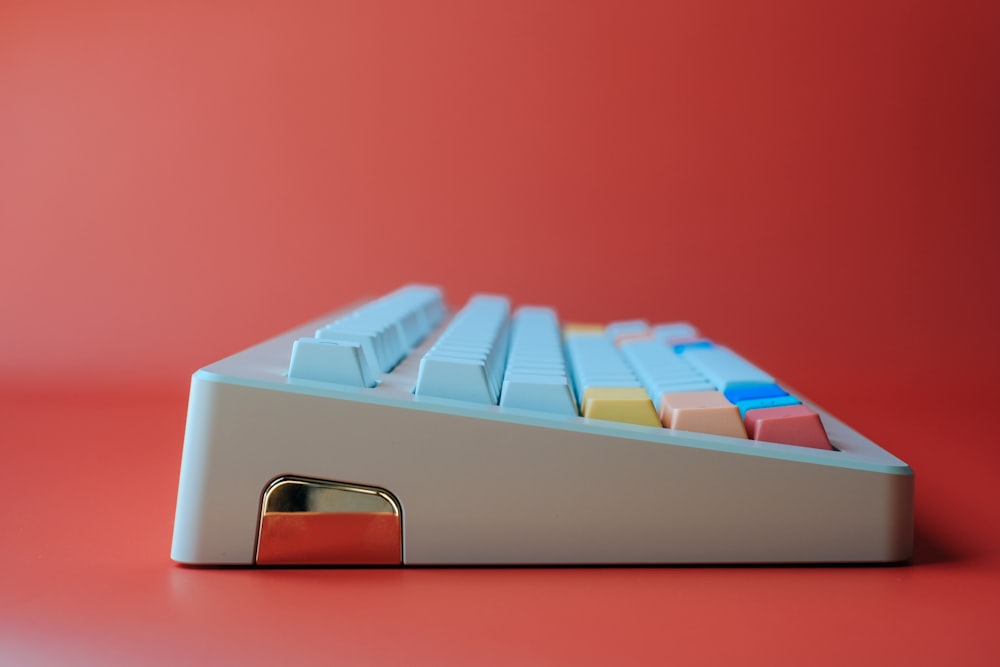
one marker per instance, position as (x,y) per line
(398,431)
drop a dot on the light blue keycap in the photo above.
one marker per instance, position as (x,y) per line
(388,328)
(462,379)
(330,361)
(661,370)
(770,402)
(674,330)
(615,329)
(420,308)
(724,368)
(345,334)
(595,361)
(537,392)
(467,361)
(536,377)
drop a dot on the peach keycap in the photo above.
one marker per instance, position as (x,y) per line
(620,404)
(634,336)
(701,411)
(789,425)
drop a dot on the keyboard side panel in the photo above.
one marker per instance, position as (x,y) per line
(476,491)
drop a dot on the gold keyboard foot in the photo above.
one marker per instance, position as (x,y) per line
(318,522)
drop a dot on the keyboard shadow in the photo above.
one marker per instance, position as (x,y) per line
(928,549)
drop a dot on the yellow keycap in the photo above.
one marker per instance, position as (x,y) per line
(620,404)
(582,329)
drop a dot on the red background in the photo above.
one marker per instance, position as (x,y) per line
(815,184)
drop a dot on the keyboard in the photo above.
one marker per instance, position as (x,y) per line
(401,431)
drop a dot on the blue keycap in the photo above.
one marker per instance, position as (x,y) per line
(770,402)
(693,345)
(329,361)
(751,392)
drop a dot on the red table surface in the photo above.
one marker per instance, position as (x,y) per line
(812,183)
(85,576)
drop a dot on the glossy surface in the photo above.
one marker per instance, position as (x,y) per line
(335,539)
(319,522)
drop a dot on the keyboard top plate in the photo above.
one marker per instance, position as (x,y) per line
(265,366)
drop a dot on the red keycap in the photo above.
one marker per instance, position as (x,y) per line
(788,424)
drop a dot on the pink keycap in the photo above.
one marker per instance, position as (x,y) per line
(631,336)
(788,424)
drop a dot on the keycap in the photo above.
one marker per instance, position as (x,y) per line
(583,328)
(683,343)
(703,412)
(723,368)
(542,393)
(389,327)
(606,385)
(536,377)
(380,342)
(670,330)
(620,404)
(330,361)
(660,369)
(752,392)
(614,330)
(791,424)
(751,397)
(769,402)
(467,362)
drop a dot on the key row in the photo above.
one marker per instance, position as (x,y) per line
(536,377)
(467,361)
(664,375)
(691,384)
(370,340)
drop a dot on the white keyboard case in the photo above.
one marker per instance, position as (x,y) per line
(491,486)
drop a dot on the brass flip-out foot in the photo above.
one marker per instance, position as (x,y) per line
(318,522)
